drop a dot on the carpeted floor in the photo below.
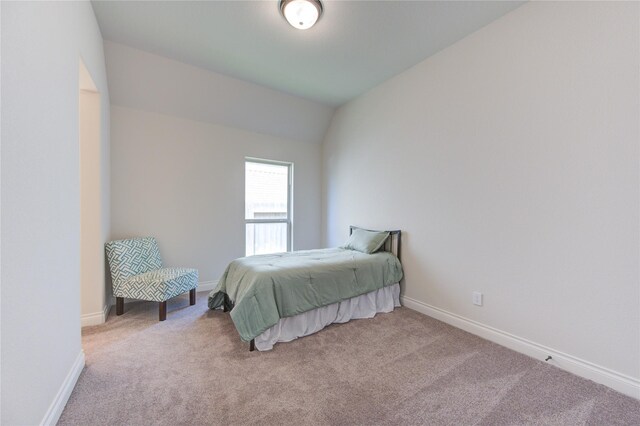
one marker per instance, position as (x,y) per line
(397,368)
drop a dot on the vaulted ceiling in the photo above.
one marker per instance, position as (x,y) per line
(355,46)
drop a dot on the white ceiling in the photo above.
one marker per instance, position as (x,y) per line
(355,46)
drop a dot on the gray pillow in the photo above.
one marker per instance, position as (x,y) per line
(366,241)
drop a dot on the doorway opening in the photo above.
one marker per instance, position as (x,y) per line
(93,303)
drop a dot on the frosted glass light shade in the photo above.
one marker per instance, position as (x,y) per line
(301,14)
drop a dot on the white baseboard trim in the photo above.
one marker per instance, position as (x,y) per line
(95,318)
(57,406)
(207,285)
(580,367)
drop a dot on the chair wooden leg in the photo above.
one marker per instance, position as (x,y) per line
(252,345)
(163,310)
(119,305)
(192,296)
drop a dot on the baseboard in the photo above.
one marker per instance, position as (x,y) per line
(207,285)
(57,406)
(95,318)
(618,381)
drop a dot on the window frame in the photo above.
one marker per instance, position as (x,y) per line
(289,219)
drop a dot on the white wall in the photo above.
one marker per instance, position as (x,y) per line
(182,181)
(510,161)
(153,83)
(179,138)
(42,43)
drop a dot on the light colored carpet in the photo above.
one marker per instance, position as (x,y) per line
(397,368)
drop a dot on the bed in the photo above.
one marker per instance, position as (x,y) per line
(280,297)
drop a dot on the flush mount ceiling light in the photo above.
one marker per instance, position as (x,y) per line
(301,14)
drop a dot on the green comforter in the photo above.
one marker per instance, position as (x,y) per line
(265,288)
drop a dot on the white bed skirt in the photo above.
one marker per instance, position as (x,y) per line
(364,306)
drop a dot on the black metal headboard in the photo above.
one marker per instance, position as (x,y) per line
(392,244)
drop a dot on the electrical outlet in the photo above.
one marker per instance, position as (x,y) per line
(477,298)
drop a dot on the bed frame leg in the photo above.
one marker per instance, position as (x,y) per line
(226,304)
(252,345)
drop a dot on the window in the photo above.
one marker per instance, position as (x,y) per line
(267,207)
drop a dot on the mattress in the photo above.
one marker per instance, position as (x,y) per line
(366,305)
(261,290)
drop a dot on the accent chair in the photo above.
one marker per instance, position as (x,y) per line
(137,273)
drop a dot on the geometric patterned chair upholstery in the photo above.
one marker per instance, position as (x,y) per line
(137,273)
